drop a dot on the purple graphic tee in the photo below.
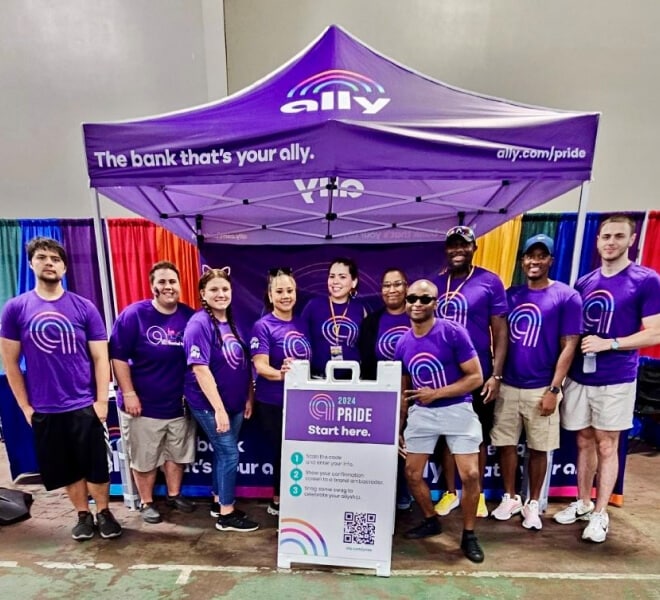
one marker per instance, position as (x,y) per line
(323,331)
(472,302)
(228,364)
(537,319)
(390,330)
(152,343)
(279,340)
(434,360)
(54,336)
(614,307)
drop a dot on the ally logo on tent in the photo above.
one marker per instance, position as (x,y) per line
(348,91)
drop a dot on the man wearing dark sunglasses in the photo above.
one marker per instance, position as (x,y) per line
(440,367)
(473,297)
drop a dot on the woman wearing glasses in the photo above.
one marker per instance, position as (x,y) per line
(332,323)
(379,334)
(277,339)
(218,390)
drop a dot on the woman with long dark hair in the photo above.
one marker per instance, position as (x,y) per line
(218,389)
(277,339)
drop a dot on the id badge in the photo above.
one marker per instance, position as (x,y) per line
(336,353)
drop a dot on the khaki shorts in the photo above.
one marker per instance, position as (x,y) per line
(604,407)
(517,408)
(151,442)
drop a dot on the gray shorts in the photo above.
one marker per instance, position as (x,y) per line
(457,422)
(152,442)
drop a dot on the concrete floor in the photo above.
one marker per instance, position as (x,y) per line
(185,557)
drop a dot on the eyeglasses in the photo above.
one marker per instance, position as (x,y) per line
(276,271)
(393,284)
(412,298)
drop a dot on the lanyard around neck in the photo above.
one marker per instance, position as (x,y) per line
(335,325)
(449,296)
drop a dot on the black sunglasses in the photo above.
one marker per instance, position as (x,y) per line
(276,271)
(412,298)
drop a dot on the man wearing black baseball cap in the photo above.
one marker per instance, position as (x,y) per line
(474,298)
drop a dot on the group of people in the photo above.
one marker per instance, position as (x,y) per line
(480,365)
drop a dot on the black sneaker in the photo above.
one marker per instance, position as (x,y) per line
(235,522)
(149,513)
(178,502)
(84,528)
(471,548)
(273,508)
(428,527)
(215,510)
(107,524)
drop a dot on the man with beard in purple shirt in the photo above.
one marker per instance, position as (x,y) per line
(64,392)
(544,330)
(474,298)
(441,368)
(146,348)
(619,298)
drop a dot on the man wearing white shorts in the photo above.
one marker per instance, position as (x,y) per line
(618,299)
(441,368)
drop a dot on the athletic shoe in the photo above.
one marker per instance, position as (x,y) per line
(482,509)
(471,548)
(531,517)
(575,511)
(599,524)
(215,510)
(404,503)
(508,507)
(428,527)
(107,524)
(235,522)
(447,503)
(178,502)
(84,528)
(150,514)
(273,508)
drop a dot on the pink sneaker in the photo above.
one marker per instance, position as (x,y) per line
(531,517)
(508,507)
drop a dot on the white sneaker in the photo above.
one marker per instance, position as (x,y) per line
(508,507)
(531,517)
(575,511)
(599,524)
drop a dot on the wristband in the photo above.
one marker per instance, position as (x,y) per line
(129,394)
(497,377)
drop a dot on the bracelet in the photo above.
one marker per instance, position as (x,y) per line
(128,394)
(497,377)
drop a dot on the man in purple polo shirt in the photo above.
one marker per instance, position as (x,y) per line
(544,330)
(146,348)
(474,298)
(619,298)
(440,367)
(64,392)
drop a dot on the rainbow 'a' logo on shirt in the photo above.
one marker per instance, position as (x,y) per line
(597,311)
(51,331)
(525,324)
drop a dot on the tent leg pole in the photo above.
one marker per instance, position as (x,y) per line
(579,231)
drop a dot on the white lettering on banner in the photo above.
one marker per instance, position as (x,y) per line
(353,188)
(553,154)
(341,100)
(356,414)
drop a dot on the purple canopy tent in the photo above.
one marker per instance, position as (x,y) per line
(340,145)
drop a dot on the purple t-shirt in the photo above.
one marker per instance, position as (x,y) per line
(471,303)
(614,307)
(434,360)
(152,343)
(228,364)
(54,336)
(279,340)
(537,321)
(390,330)
(323,331)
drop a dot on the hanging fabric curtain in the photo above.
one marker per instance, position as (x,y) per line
(133,250)
(10,249)
(651,258)
(83,271)
(533,224)
(31,228)
(497,250)
(186,257)
(564,245)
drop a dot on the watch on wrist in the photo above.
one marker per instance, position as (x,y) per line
(615,344)
(553,389)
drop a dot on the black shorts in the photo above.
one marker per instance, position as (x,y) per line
(71,446)
(485,412)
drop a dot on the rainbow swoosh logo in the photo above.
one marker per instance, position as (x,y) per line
(337,78)
(322,407)
(302,535)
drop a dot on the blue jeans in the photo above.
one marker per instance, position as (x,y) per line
(225,452)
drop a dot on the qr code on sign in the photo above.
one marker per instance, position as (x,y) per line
(359,528)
